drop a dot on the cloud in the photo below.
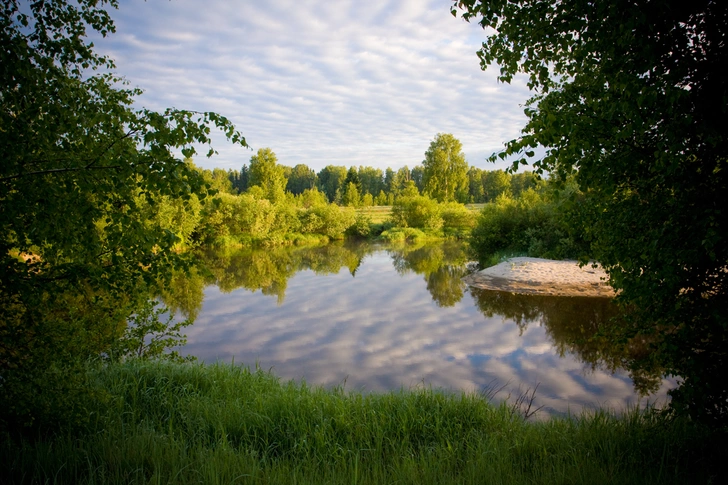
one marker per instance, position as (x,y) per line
(350,83)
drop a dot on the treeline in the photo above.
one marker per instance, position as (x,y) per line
(365,186)
(521,214)
(266,203)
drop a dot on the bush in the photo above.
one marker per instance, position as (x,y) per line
(329,220)
(148,337)
(402,234)
(362,227)
(417,211)
(535,224)
(457,219)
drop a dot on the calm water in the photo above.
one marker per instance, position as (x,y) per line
(376,318)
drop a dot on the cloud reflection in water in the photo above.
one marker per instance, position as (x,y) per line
(382,330)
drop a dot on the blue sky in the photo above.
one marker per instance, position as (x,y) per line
(349,82)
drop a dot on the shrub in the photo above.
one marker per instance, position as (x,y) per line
(329,220)
(417,211)
(361,228)
(536,223)
(457,219)
(402,234)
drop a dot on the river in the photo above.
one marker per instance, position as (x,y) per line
(382,318)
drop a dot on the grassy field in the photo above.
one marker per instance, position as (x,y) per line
(380,213)
(377,213)
(209,424)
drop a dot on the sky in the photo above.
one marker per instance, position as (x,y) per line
(349,83)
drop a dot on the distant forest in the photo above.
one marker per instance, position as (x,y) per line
(377,187)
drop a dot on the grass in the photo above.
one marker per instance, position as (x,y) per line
(194,423)
(378,213)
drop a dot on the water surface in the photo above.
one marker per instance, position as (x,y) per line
(377,318)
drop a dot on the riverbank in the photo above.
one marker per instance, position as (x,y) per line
(536,276)
(193,423)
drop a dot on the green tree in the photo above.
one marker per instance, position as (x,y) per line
(367,200)
(418,177)
(268,175)
(77,254)
(475,182)
(445,169)
(632,95)
(389,180)
(219,180)
(301,178)
(351,189)
(331,179)
(350,196)
(520,182)
(409,189)
(495,183)
(417,211)
(399,180)
(243,179)
(381,198)
(372,180)
(312,197)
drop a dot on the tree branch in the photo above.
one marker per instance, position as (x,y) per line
(88,166)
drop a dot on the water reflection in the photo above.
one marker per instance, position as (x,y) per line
(576,326)
(380,318)
(269,270)
(442,265)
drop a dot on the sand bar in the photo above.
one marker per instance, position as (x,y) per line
(536,276)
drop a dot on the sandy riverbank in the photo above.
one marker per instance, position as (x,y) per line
(538,276)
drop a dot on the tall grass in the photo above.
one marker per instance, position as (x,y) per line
(194,423)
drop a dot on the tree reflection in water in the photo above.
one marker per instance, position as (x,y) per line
(264,269)
(269,269)
(442,265)
(578,326)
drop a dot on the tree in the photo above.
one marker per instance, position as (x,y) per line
(351,196)
(381,198)
(389,176)
(367,200)
(352,177)
(495,183)
(399,180)
(219,180)
(418,175)
(632,97)
(268,175)
(243,179)
(372,180)
(76,253)
(475,182)
(302,178)
(445,169)
(331,179)
(520,182)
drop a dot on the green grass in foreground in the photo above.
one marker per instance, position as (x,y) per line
(208,424)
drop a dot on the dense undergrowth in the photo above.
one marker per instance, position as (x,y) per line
(162,422)
(537,223)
